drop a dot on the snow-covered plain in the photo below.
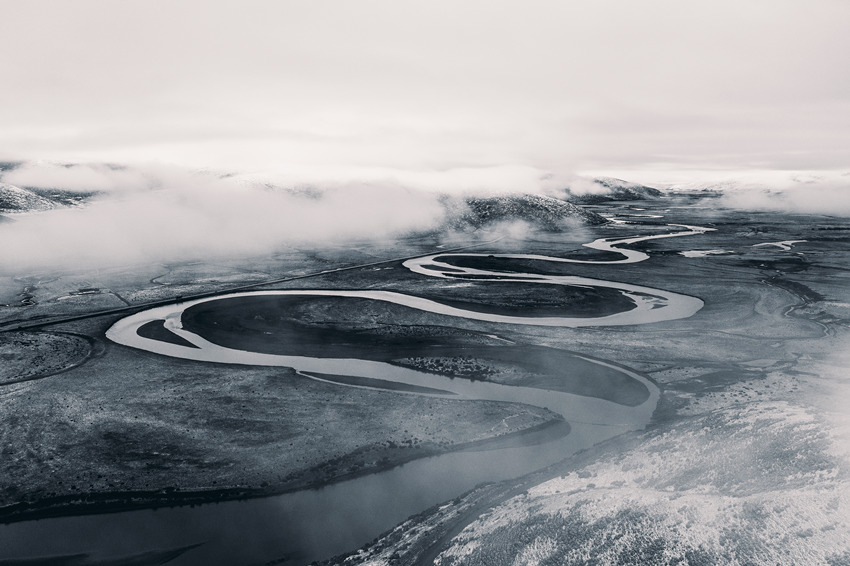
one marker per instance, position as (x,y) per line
(758,475)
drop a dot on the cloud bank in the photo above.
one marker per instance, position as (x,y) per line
(168,214)
(83,178)
(804,194)
(157,213)
(162,213)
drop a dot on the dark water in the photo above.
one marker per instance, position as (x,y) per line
(301,527)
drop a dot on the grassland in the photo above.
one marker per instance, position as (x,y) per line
(93,426)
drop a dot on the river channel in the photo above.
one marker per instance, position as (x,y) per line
(300,527)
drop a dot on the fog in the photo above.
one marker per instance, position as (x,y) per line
(156,213)
(799,193)
(99,177)
(781,190)
(82,178)
(164,214)
(159,213)
(826,199)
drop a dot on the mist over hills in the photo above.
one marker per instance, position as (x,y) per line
(32,187)
(98,214)
(611,189)
(554,212)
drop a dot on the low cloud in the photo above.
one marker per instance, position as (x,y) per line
(580,186)
(182,215)
(81,178)
(156,213)
(803,194)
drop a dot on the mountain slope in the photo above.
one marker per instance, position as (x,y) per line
(616,189)
(16,199)
(542,212)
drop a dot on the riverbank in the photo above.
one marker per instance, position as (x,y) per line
(362,462)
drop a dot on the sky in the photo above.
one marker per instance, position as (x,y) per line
(435,92)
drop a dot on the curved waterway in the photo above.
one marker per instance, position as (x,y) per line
(315,524)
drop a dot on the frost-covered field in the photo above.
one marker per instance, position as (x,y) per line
(757,475)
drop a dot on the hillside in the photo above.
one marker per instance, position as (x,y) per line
(616,189)
(16,199)
(543,212)
(33,199)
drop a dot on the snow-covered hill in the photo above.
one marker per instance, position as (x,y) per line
(16,199)
(34,199)
(610,189)
(543,212)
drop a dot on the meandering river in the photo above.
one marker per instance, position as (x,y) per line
(316,524)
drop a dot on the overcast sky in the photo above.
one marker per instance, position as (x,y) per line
(345,88)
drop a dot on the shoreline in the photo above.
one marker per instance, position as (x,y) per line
(432,527)
(127,501)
